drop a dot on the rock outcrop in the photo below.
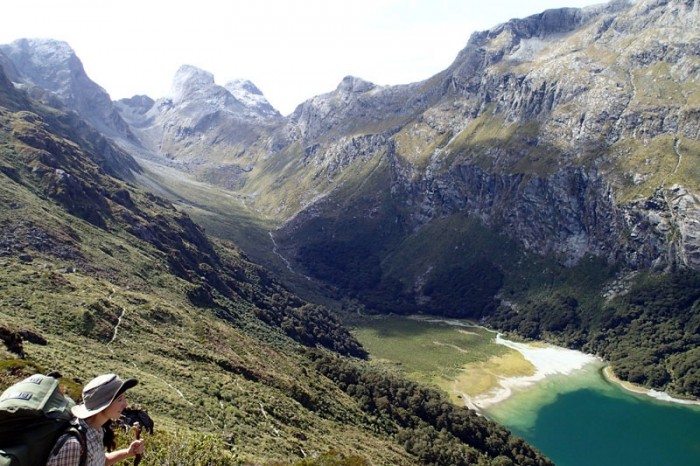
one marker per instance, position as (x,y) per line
(565,130)
(252,98)
(46,65)
(67,121)
(201,127)
(568,103)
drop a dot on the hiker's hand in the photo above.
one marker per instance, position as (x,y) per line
(136,448)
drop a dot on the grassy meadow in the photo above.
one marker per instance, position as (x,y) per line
(457,356)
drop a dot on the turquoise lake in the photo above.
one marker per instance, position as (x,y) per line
(583,419)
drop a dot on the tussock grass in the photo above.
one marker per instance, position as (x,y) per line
(456,359)
(213,378)
(480,377)
(490,141)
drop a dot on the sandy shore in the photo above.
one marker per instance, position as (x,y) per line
(548,360)
(663,396)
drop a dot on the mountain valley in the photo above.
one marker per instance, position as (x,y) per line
(546,184)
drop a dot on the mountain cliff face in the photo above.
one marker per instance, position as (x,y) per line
(49,65)
(582,98)
(574,132)
(53,76)
(201,127)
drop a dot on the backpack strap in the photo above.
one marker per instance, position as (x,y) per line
(77,431)
(81,434)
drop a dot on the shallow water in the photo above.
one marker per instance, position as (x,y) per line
(582,419)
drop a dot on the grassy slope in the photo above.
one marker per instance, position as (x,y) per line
(221,213)
(78,283)
(103,277)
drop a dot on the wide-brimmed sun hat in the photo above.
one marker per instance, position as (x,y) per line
(99,393)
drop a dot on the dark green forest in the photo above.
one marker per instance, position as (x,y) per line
(650,335)
(424,420)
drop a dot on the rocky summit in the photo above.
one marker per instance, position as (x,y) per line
(50,70)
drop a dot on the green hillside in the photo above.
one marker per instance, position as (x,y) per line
(97,276)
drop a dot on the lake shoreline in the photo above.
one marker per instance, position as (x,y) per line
(547,360)
(640,390)
(556,399)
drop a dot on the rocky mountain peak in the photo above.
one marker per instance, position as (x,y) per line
(141,103)
(52,65)
(242,85)
(355,103)
(520,35)
(666,13)
(194,87)
(355,85)
(44,61)
(248,93)
(190,81)
(197,108)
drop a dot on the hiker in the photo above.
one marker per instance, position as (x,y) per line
(104,398)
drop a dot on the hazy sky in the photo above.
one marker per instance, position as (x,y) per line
(291,49)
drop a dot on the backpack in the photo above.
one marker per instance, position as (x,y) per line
(34,414)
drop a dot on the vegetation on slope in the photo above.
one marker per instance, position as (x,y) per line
(456,267)
(97,276)
(429,425)
(650,334)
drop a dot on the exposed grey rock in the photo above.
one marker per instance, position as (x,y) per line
(53,66)
(65,122)
(194,89)
(554,129)
(8,68)
(135,106)
(355,106)
(200,118)
(252,98)
(585,81)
